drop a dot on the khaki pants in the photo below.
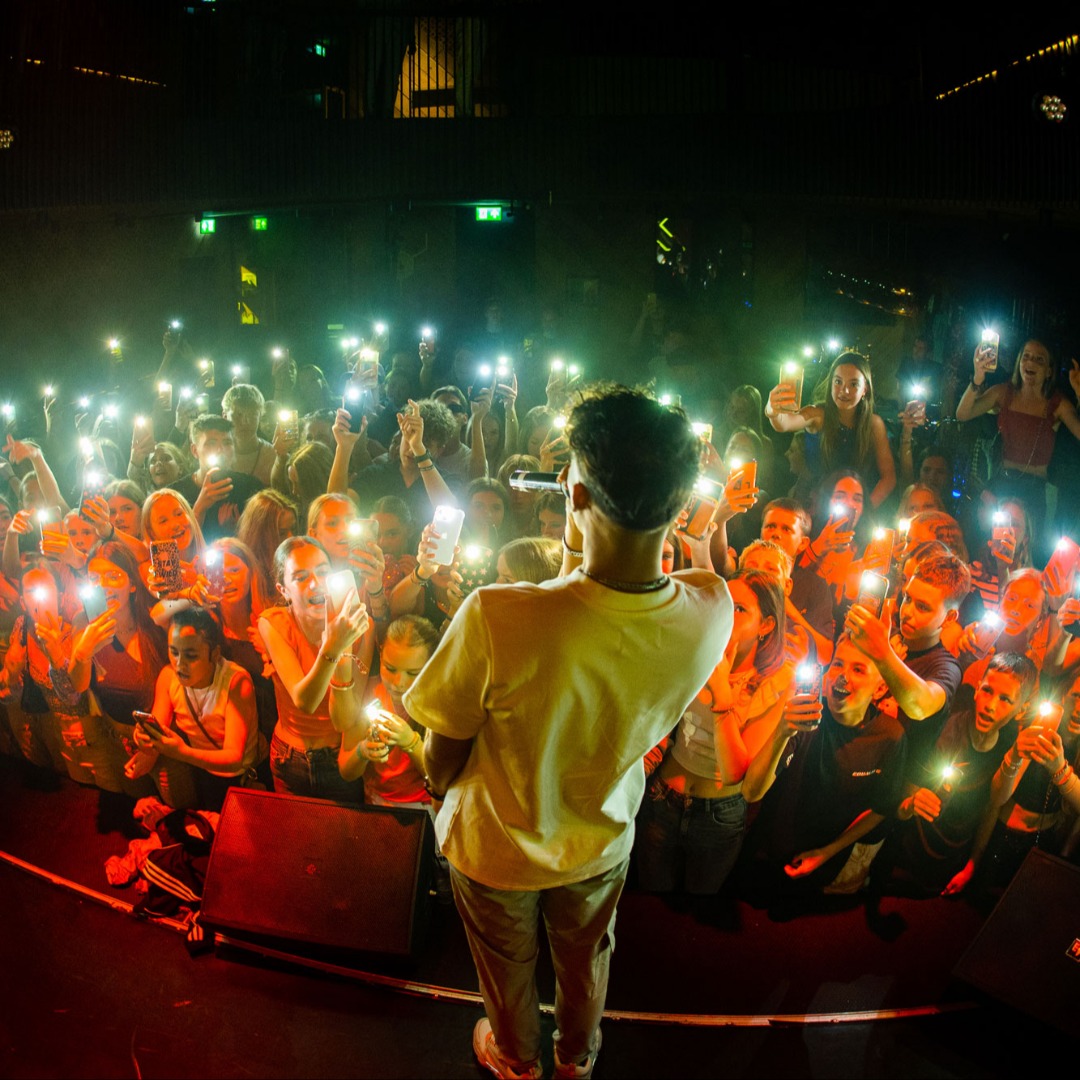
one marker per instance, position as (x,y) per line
(503,930)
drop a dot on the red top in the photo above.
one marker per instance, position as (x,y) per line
(395,780)
(1027,440)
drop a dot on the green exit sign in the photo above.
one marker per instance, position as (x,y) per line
(489,213)
(207,226)
(258,224)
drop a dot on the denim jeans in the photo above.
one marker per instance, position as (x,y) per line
(311,772)
(703,837)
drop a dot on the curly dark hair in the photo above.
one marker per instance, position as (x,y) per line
(639,458)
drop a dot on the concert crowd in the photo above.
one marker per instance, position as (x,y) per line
(208,583)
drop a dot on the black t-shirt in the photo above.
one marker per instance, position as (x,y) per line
(938,665)
(932,851)
(835,774)
(222,517)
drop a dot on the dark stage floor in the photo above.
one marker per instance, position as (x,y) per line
(92,992)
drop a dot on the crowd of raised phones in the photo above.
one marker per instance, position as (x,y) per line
(245,598)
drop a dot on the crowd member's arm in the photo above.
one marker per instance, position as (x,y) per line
(800,713)
(823,645)
(780,412)
(345,441)
(406,596)
(19,451)
(917,697)
(807,862)
(346,698)
(240,720)
(1042,746)
(428,355)
(97,634)
(1066,411)
(308,688)
(370,563)
(908,423)
(959,881)
(284,445)
(1013,766)
(21,525)
(352,762)
(412,437)
(834,537)
(730,503)
(977,398)
(700,549)
(96,510)
(142,446)
(211,492)
(480,406)
(507,394)
(886,466)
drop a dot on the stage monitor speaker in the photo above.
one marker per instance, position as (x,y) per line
(351,877)
(1027,953)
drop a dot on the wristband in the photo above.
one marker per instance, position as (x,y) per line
(342,685)
(372,595)
(571,551)
(422,457)
(1062,774)
(977,388)
(436,796)
(330,658)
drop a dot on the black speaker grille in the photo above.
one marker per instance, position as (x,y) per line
(310,870)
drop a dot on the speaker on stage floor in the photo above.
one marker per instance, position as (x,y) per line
(300,869)
(1027,953)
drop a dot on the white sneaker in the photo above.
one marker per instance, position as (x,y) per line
(491,1057)
(567,1070)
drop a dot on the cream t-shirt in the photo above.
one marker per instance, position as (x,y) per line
(563,687)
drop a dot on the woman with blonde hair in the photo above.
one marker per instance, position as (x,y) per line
(529,558)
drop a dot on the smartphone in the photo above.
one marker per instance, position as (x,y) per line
(338,586)
(948,778)
(46,516)
(364,531)
(843,515)
(1066,554)
(165,559)
(791,374)
(703,431)
(878,554)
(147,720)
(366,370)
(476,567)
(808,679)
(504,369)
(214,563)
(1048,717)
(447,521)
(93,601)
(241,373)
(93,485)
(990,342)
(164,396)
(289,419)
(1003,527)
(743,475)
(987,631)
(206,374)
(873,588)
(700,510)
(671,401)
(352,401)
